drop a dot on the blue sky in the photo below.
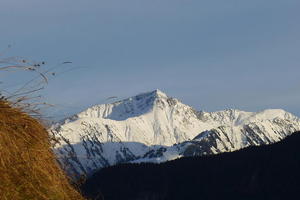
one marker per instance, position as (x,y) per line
(211,54)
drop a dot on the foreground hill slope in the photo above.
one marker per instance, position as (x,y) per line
(153,127)
(28,168)
(265,172)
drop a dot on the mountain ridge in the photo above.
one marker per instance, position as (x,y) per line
(132,106)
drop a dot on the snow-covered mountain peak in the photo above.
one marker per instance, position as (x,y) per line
(271,114)
(239,118)
(130,107)
(159,93)
(154,127)
(155,94)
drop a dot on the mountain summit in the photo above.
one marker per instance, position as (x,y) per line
(152,127)
(127,108)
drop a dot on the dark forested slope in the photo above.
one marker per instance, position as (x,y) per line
(265,172)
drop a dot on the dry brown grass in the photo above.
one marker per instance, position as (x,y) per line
(28,169)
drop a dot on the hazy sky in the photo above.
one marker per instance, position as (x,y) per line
(211,54)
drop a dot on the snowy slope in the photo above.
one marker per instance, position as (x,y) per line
(153,127)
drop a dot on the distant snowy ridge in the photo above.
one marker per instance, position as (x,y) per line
(153,127)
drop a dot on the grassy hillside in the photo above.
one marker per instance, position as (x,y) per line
(28,169)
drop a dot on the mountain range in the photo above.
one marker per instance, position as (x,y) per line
(153,127)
